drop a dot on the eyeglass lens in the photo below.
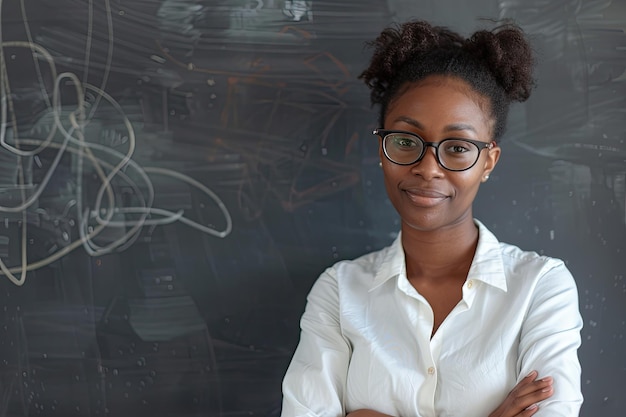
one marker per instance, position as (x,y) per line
(453,154)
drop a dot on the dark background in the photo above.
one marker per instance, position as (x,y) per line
(136,290)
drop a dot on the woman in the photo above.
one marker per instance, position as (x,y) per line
(446,321)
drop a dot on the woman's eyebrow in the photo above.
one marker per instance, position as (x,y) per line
(449,128)
(459,126)
(410,121)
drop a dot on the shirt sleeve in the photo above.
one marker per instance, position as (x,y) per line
(550,339)
(315,381)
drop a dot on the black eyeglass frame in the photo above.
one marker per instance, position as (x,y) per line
(384,133)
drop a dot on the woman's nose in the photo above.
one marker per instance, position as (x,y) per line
(428,167)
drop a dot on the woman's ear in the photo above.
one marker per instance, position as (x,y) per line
(493,155)
(381,154)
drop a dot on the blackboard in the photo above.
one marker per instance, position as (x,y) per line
(175,174)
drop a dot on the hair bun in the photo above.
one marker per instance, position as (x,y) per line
(509,57)
(396,45)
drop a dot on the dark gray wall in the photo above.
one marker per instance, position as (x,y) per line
(235,151)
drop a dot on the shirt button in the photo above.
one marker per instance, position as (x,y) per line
(431,371)
(470,284)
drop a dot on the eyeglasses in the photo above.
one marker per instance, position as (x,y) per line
(406,148)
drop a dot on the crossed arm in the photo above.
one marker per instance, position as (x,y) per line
(521,401)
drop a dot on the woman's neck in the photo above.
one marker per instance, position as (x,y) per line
(440,254)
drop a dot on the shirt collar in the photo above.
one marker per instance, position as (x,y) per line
(392,264)
(487,265)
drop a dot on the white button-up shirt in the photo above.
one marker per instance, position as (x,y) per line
(366,338)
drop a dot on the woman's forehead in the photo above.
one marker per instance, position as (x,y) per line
(440,97)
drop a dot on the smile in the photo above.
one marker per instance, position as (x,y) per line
(425,198)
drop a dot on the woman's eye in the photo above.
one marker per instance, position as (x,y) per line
(458,147)
(404,142)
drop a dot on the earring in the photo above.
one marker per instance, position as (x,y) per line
(380,164)
(486,177)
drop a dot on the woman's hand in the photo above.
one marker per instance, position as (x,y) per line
(367,413)
(522,400)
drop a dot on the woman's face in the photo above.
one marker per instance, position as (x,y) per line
(427,196)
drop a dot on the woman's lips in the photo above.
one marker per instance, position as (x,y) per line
(425,198)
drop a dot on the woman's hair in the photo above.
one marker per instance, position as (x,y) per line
(497,63)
